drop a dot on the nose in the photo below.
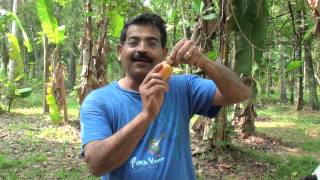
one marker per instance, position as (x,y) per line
(142,46)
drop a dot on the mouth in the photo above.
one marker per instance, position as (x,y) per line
(142,60)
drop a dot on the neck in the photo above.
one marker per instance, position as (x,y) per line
(130,84)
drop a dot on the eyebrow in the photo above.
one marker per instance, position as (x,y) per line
(148,38)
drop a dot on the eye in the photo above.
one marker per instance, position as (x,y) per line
(133,42)
(153,43)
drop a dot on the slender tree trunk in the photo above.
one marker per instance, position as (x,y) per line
(46,73)
(291,84)
(299,100)
(311,82)
(175,23)
(298,55)
(73,69)
(223,58)
(36,55)
(12,63)
(282,75)
(269,81)
(5,57)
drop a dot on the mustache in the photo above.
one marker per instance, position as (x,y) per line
(138,56)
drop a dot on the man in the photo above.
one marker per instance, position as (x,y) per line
(138,127)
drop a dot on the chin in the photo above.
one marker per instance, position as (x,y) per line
(138,75)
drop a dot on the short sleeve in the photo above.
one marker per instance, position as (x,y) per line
(93,120)
(201,93)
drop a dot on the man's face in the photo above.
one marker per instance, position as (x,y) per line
(141,50)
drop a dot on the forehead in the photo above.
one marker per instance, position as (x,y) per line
(143,31)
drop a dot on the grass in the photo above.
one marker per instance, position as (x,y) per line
(286,166)
(36,149)
(301,131)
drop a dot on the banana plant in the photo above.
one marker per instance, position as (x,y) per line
(55,89)
(250,22)
(12,90)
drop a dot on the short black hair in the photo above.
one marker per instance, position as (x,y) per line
(146,19)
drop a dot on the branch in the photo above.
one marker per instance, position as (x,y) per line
(292,18)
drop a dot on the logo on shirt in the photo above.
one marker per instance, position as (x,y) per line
(154,145)
(149,162)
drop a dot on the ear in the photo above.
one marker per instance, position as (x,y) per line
(119,51)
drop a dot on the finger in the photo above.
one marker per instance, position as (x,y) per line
(154,82)
(183,50)
(187,57)
(153,73)
(159,88)
(173,54)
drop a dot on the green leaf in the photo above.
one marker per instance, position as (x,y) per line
(116,24)
(196,6)
(12,16)
(61,30)
(49,23)
(19,78)
(89,14)
(201,7)
(24,92)
(250,34)
(209,16)
(294,65)
(171,14)
(308,35)
(14,53)
(212,55)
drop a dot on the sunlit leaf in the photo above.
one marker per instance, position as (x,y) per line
(24,92)
(171,14)
(212,55)
(14,53)
(294,65)
(89,14)
(49,23)
(116,24)
(209,16)
(12,16)
(196,6)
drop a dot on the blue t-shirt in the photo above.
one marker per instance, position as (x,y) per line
(164,151)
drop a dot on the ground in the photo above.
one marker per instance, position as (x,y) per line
(33,148)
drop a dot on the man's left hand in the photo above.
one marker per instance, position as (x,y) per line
(185,51)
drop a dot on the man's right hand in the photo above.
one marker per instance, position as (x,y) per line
(152,91)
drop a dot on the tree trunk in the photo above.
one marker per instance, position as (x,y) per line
(46,74)
(73,68)
(282,75)
(58,82)
(202,36)
(299,100)
(223,58)
(244,118)
(12,62)
(36,55)
(297,53)
(269,82)
(93,56)
(311,82)
(5,56)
